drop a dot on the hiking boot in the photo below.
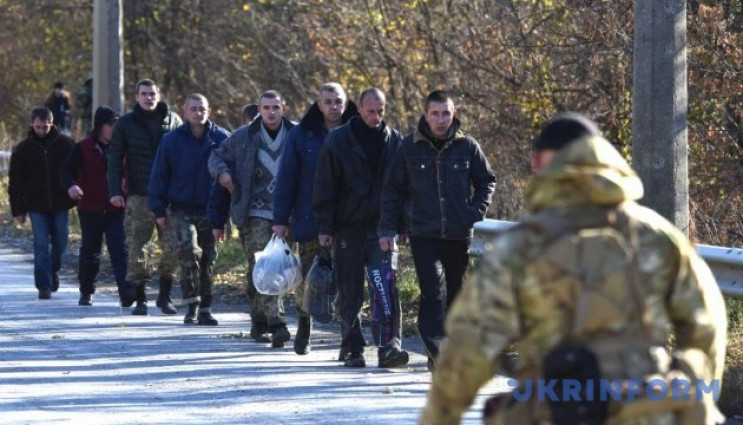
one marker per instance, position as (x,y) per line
(190,317)
(355,359)
(141,308)
(302,338)
(342,354)
(45,294)
(279,336)
(163,297)
(85,300)
(55,282)
(392,357)
(205,318)
(258,332)
(127,294)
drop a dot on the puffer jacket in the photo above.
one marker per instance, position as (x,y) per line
(133,144)
(295,182)
(441,194)
(33,177)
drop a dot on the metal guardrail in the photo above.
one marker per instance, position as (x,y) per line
(726,263)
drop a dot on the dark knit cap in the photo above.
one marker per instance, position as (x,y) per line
(104,115)
(564,128)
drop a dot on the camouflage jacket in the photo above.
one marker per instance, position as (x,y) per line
(523,291)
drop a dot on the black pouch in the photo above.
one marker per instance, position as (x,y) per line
(581,366)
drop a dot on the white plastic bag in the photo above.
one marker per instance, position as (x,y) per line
(277,269)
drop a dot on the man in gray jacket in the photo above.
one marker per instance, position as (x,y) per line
(255,151)
(134,143)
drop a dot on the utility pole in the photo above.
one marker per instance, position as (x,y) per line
(660,147)
(108,55)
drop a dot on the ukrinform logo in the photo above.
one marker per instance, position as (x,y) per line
(573,390)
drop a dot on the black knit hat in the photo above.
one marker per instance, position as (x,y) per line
(104,115)
(564,128)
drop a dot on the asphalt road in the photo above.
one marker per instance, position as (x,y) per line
(61,363)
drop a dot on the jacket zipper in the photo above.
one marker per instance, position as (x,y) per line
(48,181)
(438,182)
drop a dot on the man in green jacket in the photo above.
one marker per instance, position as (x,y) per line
(133,144)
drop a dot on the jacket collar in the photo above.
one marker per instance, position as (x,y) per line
(314,121)
(52,136)
(423,133)
(162,108)
(255,125)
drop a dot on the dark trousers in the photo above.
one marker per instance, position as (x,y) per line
(94,226)
(440,265)
(352,253)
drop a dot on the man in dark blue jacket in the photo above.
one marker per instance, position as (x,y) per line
(296,181)
(180,180)
(442,183)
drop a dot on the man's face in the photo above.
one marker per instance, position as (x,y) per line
(196,111)
(332,105)
(147,97)
(41,127)
(372,111)
(541,159)
(271,112)
(106,132)
(439,117)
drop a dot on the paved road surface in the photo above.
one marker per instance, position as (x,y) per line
(60,363)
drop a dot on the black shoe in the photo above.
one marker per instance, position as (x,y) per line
(127,294)
(342,354)
(141,308)
(55,282)
(258,332)
(206,319)
(45,294)
(190,317)
(302,338)
(163,296)
(355,359)
(166,306)
(279,336)
(392,357)
(85,300)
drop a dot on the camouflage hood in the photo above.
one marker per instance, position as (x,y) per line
(589,171)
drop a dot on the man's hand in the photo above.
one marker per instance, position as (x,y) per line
(118,201)
(225,180)
(386,243)
(280,230)
(20,218)
(75,192)
(218,235)
(325,240)
(162,222)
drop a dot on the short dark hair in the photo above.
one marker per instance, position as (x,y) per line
(375,92)
(564,128)
(59,85)
(43,113)
(438,96)
(144,82)
(250,110)
(271,94)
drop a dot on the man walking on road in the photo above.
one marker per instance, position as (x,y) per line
(177,194)
(352,167)
(255,150)
(134,143)
(295,184)
(34,189)
(443,177)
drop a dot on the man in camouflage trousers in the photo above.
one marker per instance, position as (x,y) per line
(250,158)
(588,286)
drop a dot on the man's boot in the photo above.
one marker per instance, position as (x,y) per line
(258,332)
(163,297)
(190,317)
(279,335)
(127,294)
(205,317)
(141,308)
(302,338)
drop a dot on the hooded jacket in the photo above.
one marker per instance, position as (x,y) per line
(441,194)
(564,275)
(296,179)
(134,145)
(33,177)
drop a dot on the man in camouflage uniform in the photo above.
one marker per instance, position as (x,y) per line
(589,268)
(255,150)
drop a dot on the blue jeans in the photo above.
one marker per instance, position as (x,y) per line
(48,228)
(94,226)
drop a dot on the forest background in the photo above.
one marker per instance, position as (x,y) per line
(510,64)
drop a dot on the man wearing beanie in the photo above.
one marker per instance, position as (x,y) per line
(588,286)
(83,175)
(133,144)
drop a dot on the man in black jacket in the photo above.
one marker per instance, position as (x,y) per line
(134,143)
(353,164)
(34,189)
(443,178)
